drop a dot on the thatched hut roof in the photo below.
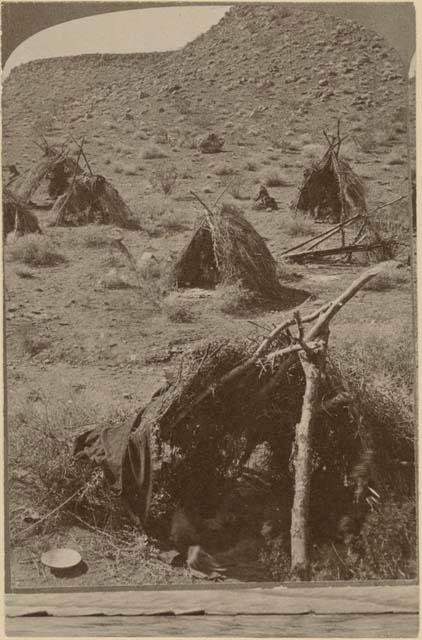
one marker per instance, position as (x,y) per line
(225,247)
(204,442)
(92,199)
(16,215)
(56,167)
(330,189)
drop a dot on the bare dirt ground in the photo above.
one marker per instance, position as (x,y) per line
(71,342)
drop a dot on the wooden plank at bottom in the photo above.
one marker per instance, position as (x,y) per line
(262,626)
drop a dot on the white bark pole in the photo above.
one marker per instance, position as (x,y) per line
(302,466)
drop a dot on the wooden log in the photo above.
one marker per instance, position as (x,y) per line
(321,253)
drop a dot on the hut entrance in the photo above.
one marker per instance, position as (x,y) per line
(200,266)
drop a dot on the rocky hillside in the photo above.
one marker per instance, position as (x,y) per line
(256,74)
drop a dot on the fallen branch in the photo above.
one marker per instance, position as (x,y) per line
(51,513)
(320,235)
(321,253)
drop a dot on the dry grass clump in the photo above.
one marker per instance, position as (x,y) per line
(235,189)
(298,225)
(152,152)
(234,298)
(94,237)
(274,178)
(30,343)
(251,164)
(178,310)
(159,216)
(224,170)
(115,280)
(313,150)
(36,251)
(25,273)
(288,272)
(165,178)
(40,443)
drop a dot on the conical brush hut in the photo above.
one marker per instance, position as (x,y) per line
(218,443)
(331,190)
(225,248)
(92,199)
(16,215)
(240,435)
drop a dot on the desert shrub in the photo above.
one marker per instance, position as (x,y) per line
(36,251)
(40,442)
(31,344)
(165,178)
(251,165)
(114,280)
(274,178)
(393,228)
(233,298)
(159,216)
(313,151)
(231,207)
(152,152)
(298,225)
(123,149)
(164,137)
(94,237)
(290,145)
(235,189)
(224,170)
(178,310)
(385,548)
(130,168)
(25,273)
(288,272)
(172,222)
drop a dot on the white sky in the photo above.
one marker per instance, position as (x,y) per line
(119,32)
